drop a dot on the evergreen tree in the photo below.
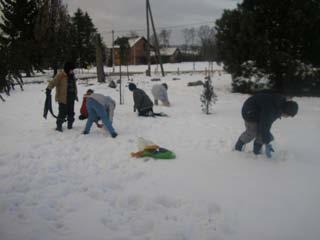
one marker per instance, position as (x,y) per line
(53,34)
(17,36)
(208,97)
(84,38)
(206,35)
(277,37)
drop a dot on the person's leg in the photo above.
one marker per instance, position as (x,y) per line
(70,111)
(258,143)
(102,113)
(92,115)
(143,113)
(247,136)
(61,116)
(148,112)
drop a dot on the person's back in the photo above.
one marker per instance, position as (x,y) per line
(107,102)
(159,92)
(141,100)
(263,105)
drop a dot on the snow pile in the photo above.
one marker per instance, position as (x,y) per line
(59,186)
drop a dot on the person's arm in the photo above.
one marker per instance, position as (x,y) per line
(164,97)
(76,88)
(54,82)
(137,98)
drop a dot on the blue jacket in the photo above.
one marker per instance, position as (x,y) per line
(263,108)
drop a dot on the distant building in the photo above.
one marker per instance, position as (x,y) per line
(168,55)
(137,53)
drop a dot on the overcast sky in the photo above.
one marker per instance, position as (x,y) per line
(125,15)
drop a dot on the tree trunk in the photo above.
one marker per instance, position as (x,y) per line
(99,62)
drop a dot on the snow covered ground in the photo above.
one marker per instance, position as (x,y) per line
(69,186)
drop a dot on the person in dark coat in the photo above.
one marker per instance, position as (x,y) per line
(66,94)
(142,102)
(259,112)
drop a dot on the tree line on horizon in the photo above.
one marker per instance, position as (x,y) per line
(271,44)
(41,34)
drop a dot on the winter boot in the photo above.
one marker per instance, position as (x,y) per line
(257,148)
(70,125)
(59,128)
(239,145)
(59,125)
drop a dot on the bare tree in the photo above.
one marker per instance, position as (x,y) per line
(164,37)
(207,38)
(189,35)
(186,36)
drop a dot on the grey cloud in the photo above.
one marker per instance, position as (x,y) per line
(130,14)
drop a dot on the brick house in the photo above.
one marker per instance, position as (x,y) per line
(137,52)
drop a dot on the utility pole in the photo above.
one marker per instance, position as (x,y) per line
(148,40)
(149,12)
(112,51)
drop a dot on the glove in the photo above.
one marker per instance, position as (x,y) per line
(269,150)
(82,117)
(48,91)
(76,98)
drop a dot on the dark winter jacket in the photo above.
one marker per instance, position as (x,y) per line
(263,108)
(141,100)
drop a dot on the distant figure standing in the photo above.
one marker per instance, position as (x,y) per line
(259,112)
(100,107)
(160,92)
(66,94)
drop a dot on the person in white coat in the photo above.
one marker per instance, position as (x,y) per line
(160,92)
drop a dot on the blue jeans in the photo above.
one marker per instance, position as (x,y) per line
(96,111)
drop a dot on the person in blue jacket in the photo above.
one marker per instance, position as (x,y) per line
(100,107)
(259,112)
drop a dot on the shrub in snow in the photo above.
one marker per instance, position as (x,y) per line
(252,79)
(304,79)
(208,97)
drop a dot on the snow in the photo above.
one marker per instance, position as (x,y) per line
(69,186)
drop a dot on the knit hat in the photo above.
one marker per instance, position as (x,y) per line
(165,85)
(290,108)
(132,86)
(68,66)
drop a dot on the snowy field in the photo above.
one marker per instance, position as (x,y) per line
(69,186)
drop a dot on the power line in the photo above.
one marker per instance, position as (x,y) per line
(163,27)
